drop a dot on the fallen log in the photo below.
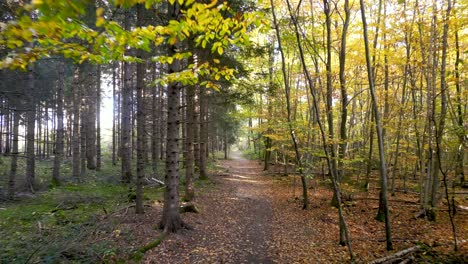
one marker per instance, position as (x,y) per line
(390,200)
(397,255)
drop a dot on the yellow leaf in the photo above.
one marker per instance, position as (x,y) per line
(216,61)
(220,50)
(170,60)
(99,21)
(173,40)
(99,11)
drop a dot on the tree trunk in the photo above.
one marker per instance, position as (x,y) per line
(30,133)
(83,131)
(141,119)
(383,167)
(203,136)
(114,113)
(58,152)
(98,119)
(155,117)
(75,142)
(14,156)
(459,167)
(443,109)
(189,161)
(126,117)
(344,105)
(288,108)
(196,131)
(171,220)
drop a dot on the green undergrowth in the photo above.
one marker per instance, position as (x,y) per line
(54,226)
(57,223)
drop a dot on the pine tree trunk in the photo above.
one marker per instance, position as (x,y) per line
(171,220)
(90,115)
(155,139)
(126,117)
(114,113)
(58,152)
(189,165)
(8,135)
(75,141)
(83,132)
(196,132)
(98,120)
(141,119)
(14,156)
(30,133)
(203,137)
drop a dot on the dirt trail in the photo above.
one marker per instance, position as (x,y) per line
(234,225)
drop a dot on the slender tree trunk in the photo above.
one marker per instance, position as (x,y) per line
(30,131)
(98,119)
(344,106)
(396,165)
(83,131)
(189,165)
(288,108)
(203,136)
(155,141)
(325,146)
(383,167)
(196,134)
(90,83)
(38,135)
(459,169)
(75,142)
(114,113)
(58,152)
(126,117)
(14,156)
(443,108)
(141,119)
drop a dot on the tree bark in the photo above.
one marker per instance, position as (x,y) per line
(141,119)
(311,85)
(58,152)
(115,110)
(189,161)
(383,167)
(288,108)
(30,132)
(171,220)
(126,111)
(14,156)
(203,136)
(98,120)
(75,142)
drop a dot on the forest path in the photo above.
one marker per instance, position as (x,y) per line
(234,225)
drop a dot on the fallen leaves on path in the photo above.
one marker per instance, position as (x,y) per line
(250,217)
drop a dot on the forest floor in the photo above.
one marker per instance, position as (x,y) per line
(247,216)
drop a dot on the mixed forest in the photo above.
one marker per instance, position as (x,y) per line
(154,131)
